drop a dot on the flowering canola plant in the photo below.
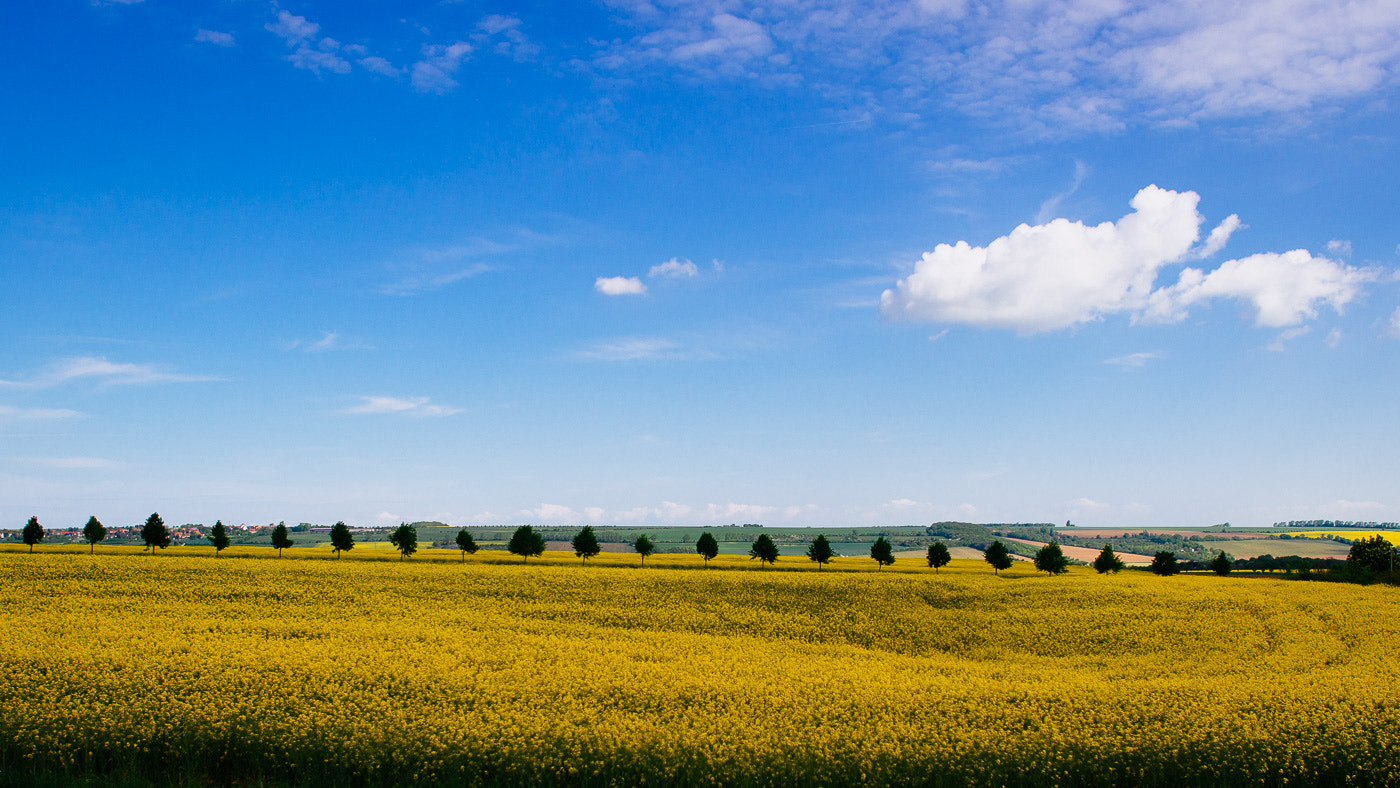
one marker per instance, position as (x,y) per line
(494,673)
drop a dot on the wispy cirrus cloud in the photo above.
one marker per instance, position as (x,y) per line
(330,340)
(102,371)
(1052,67)
(214,37)
(73,463)
(632,349)
(406,406)
(1133,360)
(10,412)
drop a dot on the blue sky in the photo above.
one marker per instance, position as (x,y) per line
(820,263)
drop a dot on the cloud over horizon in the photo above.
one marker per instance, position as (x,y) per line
(1060,274)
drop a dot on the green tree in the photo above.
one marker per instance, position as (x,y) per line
(1220,564)
(764,550)
(707,547)
(882,552)
(155,534)
(33,533)
(466,544)
(998,556)
(1108,561)
(938,555)
(585,544)
(280,540)
(820,551)
(644,547)
(1164,563)
(1374,554)
(218,536)
(1051,559)
(525,542)
(405,538)
(94,532)
(341,538)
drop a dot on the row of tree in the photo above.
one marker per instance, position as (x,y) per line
(1375,554)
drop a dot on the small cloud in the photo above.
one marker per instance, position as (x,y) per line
(1334,338)
(1132,360)
(1278,346)
(1342,248)
(329,341)
(508,39)
(408,406)
(434,73)
(316,60)
(1395,323)
(103,371)
(619,285)
(214,37)
(638,349)
(36,414)
(1219,237)
(967,510)
(75,463)
(423,280)
(674,269)
(1049,209)
(292,28)
(379,65)
(717,264)
(938,336)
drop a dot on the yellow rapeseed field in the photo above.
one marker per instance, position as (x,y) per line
(178,666)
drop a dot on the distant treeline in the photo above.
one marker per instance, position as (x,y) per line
(1315,524)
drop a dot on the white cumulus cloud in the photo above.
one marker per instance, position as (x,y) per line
(1285,289)
(674,268)
(619,285)
(1060,274)
(1053,275)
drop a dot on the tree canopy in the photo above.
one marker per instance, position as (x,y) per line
(1108,561)
(93,532)
(1051,559)
(938,556)
(1374,554)
(1220,564)
(707,547)
(644,547)
(820,551)
(764,550)
(882,552)
(525,542)
(998,556)
(1164,563)
(341,538)
(280,540)
(33,533)
(405,538)
(585,544)
(218,536)
(154,533)
(465,543)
